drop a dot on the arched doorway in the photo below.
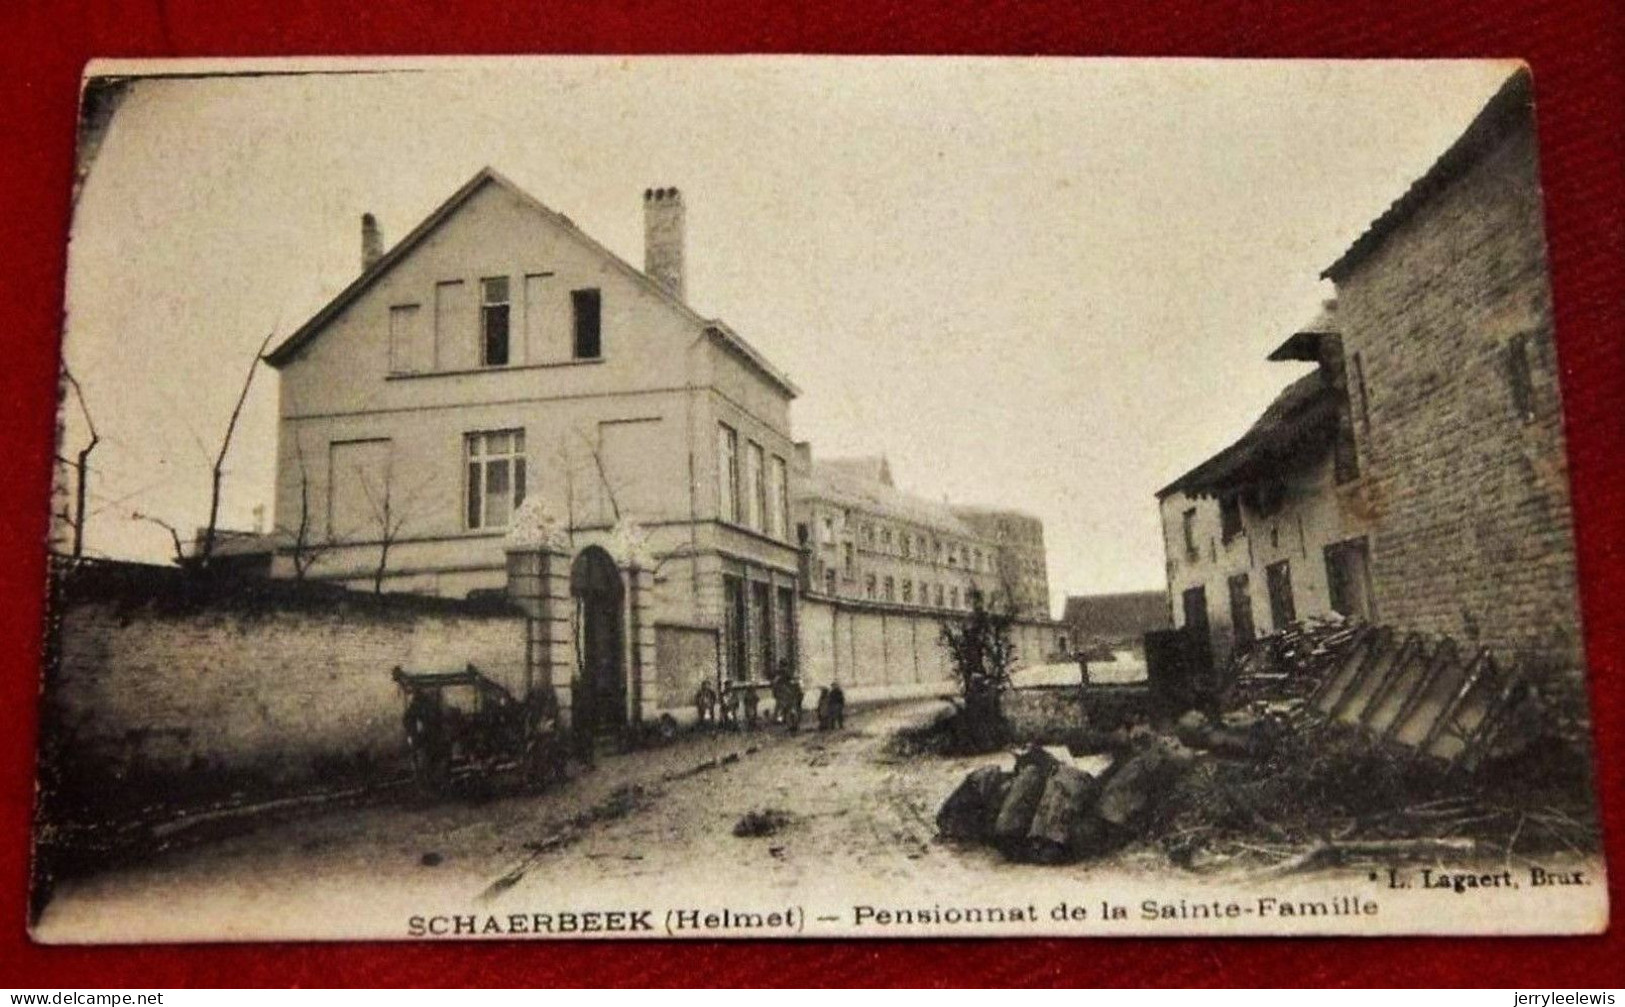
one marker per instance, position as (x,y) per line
(600,699)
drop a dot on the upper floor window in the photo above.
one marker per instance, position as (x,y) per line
(891,588)
(756,488)
(406,342)
(494,316)
(586,307)
(496,477)
(778,498)
(829,582)
(1192,551)
(846,559)
(829,531)
(869,586)
(908,591)
(903,540)
(727,473)
(1229,516)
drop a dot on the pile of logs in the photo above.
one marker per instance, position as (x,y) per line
(1234,737)
(1050,811)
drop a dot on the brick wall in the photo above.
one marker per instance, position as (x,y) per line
(278,692)
(1469,488)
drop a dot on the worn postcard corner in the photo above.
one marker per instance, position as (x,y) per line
(778,497)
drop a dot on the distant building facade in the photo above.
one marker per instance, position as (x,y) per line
(1418,476)
(498,355)
(867,540)
(1020,561)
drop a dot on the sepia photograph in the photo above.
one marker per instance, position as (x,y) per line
(743,497)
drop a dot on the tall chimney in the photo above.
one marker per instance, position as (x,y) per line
(372,241)
(663,238)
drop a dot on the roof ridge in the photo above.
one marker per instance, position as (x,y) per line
(288,348)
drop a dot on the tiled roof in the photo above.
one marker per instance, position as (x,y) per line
(1115,615)
(1296,426)
(1514,99)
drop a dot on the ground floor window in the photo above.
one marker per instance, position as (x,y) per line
(1241,609)
(733,629)
(1194,601)
(1283,611)
(784,630)
(1348,578)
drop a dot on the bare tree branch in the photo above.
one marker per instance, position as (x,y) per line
(181,559)
(81,465)
(603,475)
(206,550)
(306,551)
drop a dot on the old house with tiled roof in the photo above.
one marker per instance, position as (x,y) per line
(1273,528)
(1417,476)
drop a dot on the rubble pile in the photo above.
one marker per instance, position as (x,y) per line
(1288,663)
(1047,810)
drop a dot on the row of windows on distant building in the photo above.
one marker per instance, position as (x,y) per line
(412,350)
(906,591)
(754,488)
(904,544)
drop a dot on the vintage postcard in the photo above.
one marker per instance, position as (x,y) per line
(774,497)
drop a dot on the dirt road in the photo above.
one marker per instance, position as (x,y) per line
(657,820)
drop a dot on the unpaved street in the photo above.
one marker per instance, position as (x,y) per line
(656,822)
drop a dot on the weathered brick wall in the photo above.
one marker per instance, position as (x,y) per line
(1470,496)
(280,695)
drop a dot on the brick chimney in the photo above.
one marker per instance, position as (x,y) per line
(663,238)
(372,241)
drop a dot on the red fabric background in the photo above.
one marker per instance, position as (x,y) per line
(1575,47)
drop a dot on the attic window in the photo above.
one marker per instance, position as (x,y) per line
(494,308)
(1229,516)
(587,305)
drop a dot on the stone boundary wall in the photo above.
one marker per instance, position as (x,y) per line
(163,688)
(887,652)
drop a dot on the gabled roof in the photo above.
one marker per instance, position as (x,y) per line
(289,349)
(1512,101)
(1117,615)
(1297,424)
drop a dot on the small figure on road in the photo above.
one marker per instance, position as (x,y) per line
(752,703)
(705,703)
(831,707)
